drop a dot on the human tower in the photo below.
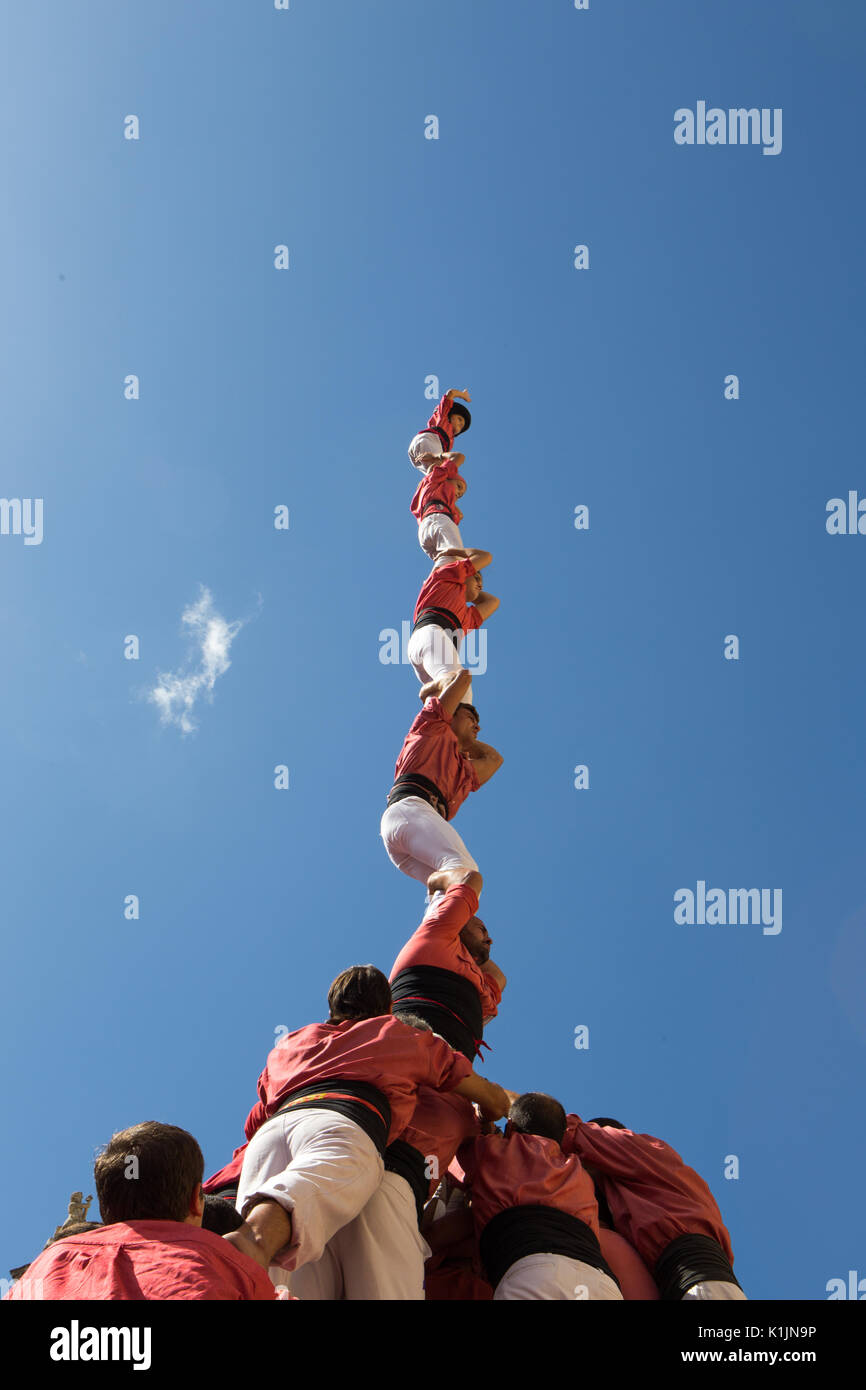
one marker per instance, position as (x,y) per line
(373,1167)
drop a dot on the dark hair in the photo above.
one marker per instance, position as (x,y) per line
(603,1120)
(168,1166)
(464,704)
(536,1113)
(362,991)
(220,1216)
(461,410)
(413,1020)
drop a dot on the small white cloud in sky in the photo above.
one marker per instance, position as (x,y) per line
(176,692)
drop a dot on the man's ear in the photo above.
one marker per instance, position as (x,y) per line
(196,1202)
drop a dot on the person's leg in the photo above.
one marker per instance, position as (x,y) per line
(555,1277)
(424,443)
(716,1290)
(434,658)
(319,1168)
(420,843)
(382,1252)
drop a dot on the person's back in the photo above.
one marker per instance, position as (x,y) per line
(144,1260)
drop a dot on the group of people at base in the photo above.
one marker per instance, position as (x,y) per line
(373,1168)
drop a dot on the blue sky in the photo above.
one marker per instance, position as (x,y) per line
(453,257)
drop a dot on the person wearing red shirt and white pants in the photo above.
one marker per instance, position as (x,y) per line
(440,763)
(437,438)
(450,604)
(662,1207)
(535,1210)
(336,1093)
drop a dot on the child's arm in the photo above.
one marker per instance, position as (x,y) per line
(486,604)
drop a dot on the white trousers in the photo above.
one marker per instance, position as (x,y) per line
(556,1277)
(719,1290)
(433,654)
(320,1167)
(437,533)
(420,842)
(424,443)
(379,1255)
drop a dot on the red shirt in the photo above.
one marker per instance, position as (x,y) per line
(653,1196)
(441,420)
(382,1051)
(437,942)
(431,749)
(143,1261)
(439,1125)
(525,1170)
(445,587)
(437,485)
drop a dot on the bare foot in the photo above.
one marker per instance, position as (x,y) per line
(431,689)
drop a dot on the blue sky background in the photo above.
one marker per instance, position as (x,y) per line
(411,257)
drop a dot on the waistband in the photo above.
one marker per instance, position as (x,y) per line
(414,784)
(366,1105)
(409,1163)
(536,1230)
(438,504)
(437,617)
(691,1259)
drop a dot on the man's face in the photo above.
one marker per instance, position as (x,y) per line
(472,587)
(459,486)
(477,940)
(457,423)
(465,725)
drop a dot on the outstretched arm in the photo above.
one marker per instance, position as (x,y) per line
(492,1099)
(455,395)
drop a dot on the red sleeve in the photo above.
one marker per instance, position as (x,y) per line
(433,710)
(439,418)
(255,1119)
(455,572)
(491,996)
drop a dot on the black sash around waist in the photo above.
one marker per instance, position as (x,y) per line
(691,1259)
(409,1163)
(438,504)
(437,617)
(443,435)
(366,1105)
(415,784)
(536,1230)
(447,1001)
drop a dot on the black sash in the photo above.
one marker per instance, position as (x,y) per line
(691,1259)
(366,1105)
(409,1163)
(447,1001)
(536,1230)
(437,617)
(443,436)
(438,504)
(415,784)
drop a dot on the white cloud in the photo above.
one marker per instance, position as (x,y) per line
(176,692)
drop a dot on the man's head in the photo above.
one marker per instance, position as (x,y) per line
(220,1216)
(472,586)
(536,1113)
(151,1172)
(362,991)
(604,1120)
(414,1021)
(459,419)
(477,940)
(466,724)
(459,485)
